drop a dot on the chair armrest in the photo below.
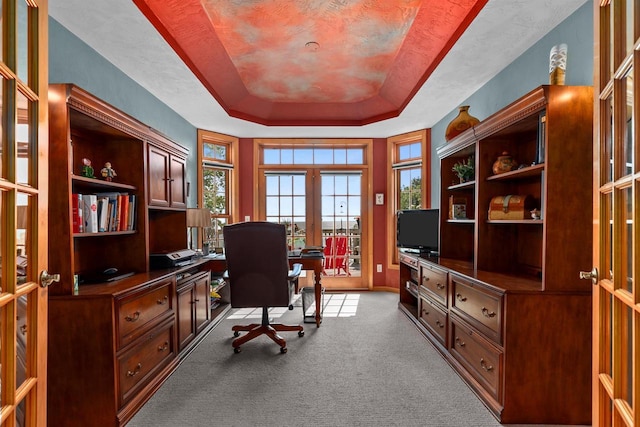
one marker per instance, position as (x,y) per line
(295,271)
(225,275)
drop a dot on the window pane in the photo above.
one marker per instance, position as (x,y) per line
(23,140)
(22,329)
(629,125)
(215,190)
(630,39)
(355,156)
(322,156)
(340,156)
(23,41)
(214,151)
(303,156)
(608,140)
(627,240)
(607,248)
(271,156)
(23,230)
(410,193)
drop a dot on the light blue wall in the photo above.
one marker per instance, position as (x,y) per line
(527,72)
(73,61)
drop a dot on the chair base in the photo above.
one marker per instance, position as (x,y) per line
(265,328)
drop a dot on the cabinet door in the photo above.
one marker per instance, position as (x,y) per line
(177,194)
(201,303)
(158,177)
(186,331)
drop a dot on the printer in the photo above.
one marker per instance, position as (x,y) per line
(172,259)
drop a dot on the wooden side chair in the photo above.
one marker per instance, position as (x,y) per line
(259,276)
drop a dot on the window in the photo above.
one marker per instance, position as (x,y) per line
(216,154)
(409,164)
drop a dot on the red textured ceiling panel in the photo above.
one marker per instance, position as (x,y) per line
(279,62)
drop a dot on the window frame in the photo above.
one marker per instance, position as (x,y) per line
(394,166)
(228,165)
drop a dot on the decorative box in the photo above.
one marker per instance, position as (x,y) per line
(511,207)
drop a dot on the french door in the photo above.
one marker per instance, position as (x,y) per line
(322,205)
(616,256)
(23,209)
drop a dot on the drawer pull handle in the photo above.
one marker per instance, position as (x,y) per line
(425,312)
(425,279)
(459,297)
(440,324)
(163,301)
(135,371)
(164,346)
(133,318)
(460,342)
(440,286)
(484,365)
(486,312)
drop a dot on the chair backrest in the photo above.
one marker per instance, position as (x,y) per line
(257,264)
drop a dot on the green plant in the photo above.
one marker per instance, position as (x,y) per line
(465,169)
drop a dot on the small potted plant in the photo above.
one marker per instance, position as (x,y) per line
(465,169)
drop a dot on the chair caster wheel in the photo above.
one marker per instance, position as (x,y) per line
(236,333)
(236,350)
(283,350)
(301,334)
(290,306)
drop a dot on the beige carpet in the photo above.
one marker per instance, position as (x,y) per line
(371,369)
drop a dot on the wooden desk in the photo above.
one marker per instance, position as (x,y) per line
(314,263)
(310,263)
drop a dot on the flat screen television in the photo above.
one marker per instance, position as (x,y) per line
(418,231)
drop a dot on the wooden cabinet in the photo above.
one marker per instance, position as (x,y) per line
(110,367)
(193,307)
(112,343)
(504,303)
(166,172)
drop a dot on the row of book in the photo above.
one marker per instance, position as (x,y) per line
(103,212)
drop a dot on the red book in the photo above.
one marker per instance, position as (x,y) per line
(124,212)
(76,212)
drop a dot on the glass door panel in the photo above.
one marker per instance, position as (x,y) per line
(341,210)
(286,204)
(616,209)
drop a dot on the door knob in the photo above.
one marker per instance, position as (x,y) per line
(593,275)
(46,279)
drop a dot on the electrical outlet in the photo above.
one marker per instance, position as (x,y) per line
(247,218)
(379,268)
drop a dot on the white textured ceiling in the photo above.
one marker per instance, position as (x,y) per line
(503,30)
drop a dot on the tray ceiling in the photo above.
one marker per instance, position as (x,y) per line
(333,62)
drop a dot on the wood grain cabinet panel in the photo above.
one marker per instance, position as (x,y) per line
(433,281)
(137,310)
(434,318)
(478,305)
(480,358)
(141,363)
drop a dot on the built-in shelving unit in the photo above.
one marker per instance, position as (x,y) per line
(503,302)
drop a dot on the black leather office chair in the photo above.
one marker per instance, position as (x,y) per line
(259,276)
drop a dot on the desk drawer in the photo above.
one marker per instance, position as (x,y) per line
(135,311)
(478,305)
(433,281)
(434,319)
(137,366)
(479,357)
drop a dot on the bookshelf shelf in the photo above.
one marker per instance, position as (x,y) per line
(83,181)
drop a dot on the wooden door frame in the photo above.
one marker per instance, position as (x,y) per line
(366,243)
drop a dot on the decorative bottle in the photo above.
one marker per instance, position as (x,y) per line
(462,122)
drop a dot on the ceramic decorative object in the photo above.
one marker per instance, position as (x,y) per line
(557,64)
(505,163)
(460,123)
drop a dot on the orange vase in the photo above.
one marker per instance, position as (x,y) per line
(462,122)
